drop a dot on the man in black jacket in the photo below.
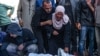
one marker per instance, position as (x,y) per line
(85,23)
(41,25)
(18,39)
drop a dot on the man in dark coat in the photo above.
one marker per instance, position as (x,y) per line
(41,25)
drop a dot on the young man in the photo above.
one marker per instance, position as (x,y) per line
(41,25)
(97,28)
(85,23)
(4,18)
(18,39)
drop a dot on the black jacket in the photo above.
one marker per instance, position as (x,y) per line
(40,16)
(28,37)
(84,14)
(18,40)
(64,35)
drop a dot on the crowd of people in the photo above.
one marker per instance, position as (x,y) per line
(47,25)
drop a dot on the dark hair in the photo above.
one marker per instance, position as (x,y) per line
(47,1)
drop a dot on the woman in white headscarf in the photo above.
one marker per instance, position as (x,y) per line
(60,32)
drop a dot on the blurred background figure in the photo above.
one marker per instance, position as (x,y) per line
(97,28)
(26,9)
(4,17)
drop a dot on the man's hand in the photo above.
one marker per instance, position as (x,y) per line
(55,33)
(42,23)
(90,5)
(48,22)
(21,22)
(66,49)
(20,47)
(9,15)
(78,26)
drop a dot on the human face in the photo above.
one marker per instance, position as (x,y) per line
(13,35)
(59,16)
(47,7)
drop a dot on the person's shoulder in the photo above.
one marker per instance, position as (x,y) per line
(39,10)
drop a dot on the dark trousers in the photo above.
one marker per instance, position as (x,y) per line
(42,38)
(73,39)
(54,44)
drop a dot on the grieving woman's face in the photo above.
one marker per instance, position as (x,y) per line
(59,16)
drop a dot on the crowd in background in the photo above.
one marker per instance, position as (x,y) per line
(47,25)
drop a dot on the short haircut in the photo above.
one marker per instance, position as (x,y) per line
(47,1)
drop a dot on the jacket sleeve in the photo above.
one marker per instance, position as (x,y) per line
(67,35)
(30,37)
(19,10)
(78,12)
(36,19)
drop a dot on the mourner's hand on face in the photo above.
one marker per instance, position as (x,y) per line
(88,2)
